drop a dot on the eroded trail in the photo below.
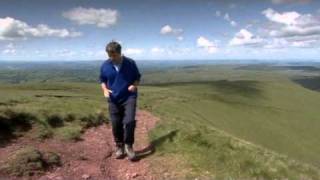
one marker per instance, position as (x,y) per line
(93,156)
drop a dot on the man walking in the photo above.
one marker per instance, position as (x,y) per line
(119,78)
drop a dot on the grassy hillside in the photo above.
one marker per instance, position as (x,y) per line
(280,115)
(268,109)
(207,117)
(61,110)
(218,121)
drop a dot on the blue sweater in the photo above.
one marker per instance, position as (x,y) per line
(119,82)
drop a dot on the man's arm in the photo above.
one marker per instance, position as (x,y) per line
(104,86)
(135,84)
(103,81)
(105,89)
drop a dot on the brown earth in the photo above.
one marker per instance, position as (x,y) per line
(93,156)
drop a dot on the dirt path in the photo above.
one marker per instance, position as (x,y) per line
(93,157)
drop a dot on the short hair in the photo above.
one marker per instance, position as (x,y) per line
(113,46)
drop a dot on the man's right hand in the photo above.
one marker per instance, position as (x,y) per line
(107,93)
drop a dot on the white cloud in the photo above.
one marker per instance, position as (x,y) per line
(102,18)
(66,53)
(276,43)
(9,49)
(303,44)
(218,13)
(295,31)
(96,54)
(54,53)
(78,55)
(280,43)
(10,46)
(287,18)
(298,30)
(289,1)
(177,51)
(11,29)
(227,17)
(157,50)
(292,23)
(169,51)
(233,23)
(244,38)
(167,29)
(206,44)
(180,38)
(133,51)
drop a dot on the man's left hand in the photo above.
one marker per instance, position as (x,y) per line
(132,88)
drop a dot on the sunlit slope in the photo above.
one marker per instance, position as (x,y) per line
(220,121)
(278,115)
(269,111)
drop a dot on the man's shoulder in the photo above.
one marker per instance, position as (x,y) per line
(130,60)
(105,63)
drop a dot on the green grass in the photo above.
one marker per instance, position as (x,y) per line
(53,109)
(29,161)
(203,120)
(195,122)
(226,123)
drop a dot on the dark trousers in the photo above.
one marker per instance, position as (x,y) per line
(123,121)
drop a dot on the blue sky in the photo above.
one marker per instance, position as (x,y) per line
(160,29)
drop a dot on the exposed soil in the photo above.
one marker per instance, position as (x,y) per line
(93,156)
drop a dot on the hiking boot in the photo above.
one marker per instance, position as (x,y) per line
(130,152)
(119,152)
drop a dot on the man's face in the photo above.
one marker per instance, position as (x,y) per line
(113,55)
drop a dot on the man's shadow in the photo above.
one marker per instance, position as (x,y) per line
(151,147)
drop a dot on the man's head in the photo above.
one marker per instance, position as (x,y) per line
(113,49)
